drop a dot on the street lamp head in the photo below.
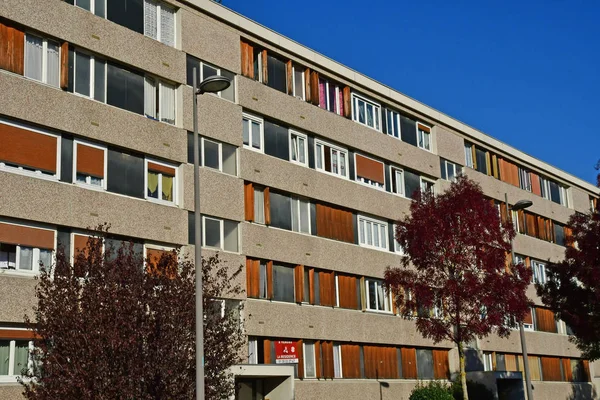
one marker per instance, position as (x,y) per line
(213,84)
(522,204)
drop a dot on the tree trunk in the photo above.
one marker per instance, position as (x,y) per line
(463,373)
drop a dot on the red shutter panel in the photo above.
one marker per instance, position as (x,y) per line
(249,201)
(90,161)
(64,66)
(267,203)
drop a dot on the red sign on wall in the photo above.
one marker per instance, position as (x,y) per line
(286,352)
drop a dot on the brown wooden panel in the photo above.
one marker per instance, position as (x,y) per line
(327,288)
(521,220)
(528,317)
(12,48)
(534,368)
(299,283)
(311,286)
(252,277)
(347,102)
(157,265)
(350,361)
(551,369)
(163,169)
(327,356)
(545,321)
(369,169)
(267,205)
(267,352)
(80,244)
(17,334)
(568,371)
(510,361)
(269,279)
(318,369)
(531,225)
(247,51)
(424,127)
(347,292)
(314,88)
(440,364)
(90,160)
(535,184)
(249,201)
(26,236)
(300,349)
(334,223)
(586,370)
(64,66)
(27,148)
(495,166)
(307,85)
(409,363)
(289,75)
(265,70)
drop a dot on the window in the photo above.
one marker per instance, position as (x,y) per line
(539,272)
(219,156)
(372,233)
(337,361)
(298,148)
(377,297)
(276,140)
(15,357)
(220,234)
(159,22)
(24,258)
(412,184)
(159,100)
(369,171)
(253,132)
(397,246)
(397,181)
(259,205)
(481,161)
(424,136)
(366,112)
(392,123)
(425,364)
(450,171)
(252,351)
(125,89)
(283,283)
(276,71)
(487,361)
(89,75)
(524,179)
(331,96)
(204,70)
(469,155)
(593,204)
(427,186)
(299,85)
(310,370)
(331,159)
(97,7)
(89,167)
(42,59)
(161,182)
(300,215)
(554,191)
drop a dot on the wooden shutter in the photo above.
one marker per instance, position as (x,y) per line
(17,334)
(311,286)
(327,288)
(327,356)
(586,370)
(163,169)
(510,360)
(265,70)
(269,279)
(299,283)
(318,369)
(249,201)
(300,351)
(495,166)
(535,184)
(267,204)
(64,66)
(351,361)
(474,156)
(12,49)
(503,212)
(528,319)
(545,321)
(531,225)
(27,148)
(567,369)
(267,352)
(409,363)
(347,292)
(161,262)
(488,163)
(347,102)
(534,368)
(369,169)
(314,88)
(363,294)
(521,220)
(307,85)
(289,75)
(568,236)
(252,277)
(551,369)
(440,364)
(380,362)
(26,236)
(80,243)
(247,60)
(90,160)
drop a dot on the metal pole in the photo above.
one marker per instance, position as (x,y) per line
(521,329)
(198,253)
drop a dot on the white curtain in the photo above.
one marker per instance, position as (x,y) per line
(167,25)
(259,206)
(167,103)
(33,57)
(26,258)
(52,74)
(150,25)
(150,97)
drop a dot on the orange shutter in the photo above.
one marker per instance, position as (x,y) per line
(12,49)
(265,70)
(252,277)
(26,236)
(409,363)
(347,292)
(311,286)
(531,225)
(163,169)
(314,88)
(369,169)
(267,205)
(161,262)
(90,160)
(318,370)
(568,236)
(351,361)
(64,66)
(27,148)
(289,75)
(299,283)
(566,366)
(248,201)
(440,364)
(521,220)
(17,334)
(80,244)
(267,352)
(545,321)
(247,60)
(300,350)
(347,94)
(586,370)
(269,279)
(327,355)
(528,319)
(535,184)
(307,85)
(551,369)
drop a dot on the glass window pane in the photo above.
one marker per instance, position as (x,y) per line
(8,255)
(332,99)
(150,19)
(33,57)
(26,258)
(45,259)
(370,117)
(52,64)
(295,217)
(100,8)
(167,25)
(4,355)
(259,206)
(21,356)
(302,150)
(372,296)
(283,283)
(167,187)
(211,154)
(212,234)
(298,82)
(230,233)
(208,71)
(262,281)
(229,93)
(85,4)
(229,159)
(376,235)
(361,231)
(246,132)
(369,226)
(319,156)
(361,111)
(82,74)
(309,360)
(380,297)
(256,135)
(424,364)
(304,217)
(294,154)
(99,80)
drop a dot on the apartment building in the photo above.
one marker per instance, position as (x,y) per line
(306,164)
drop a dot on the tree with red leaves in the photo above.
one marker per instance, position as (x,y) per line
(572,290)
(455,280)
(108,328)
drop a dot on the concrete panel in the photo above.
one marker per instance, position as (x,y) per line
(564,391)
(65,204)
(355,389)
(221,195)
(217,118)
(449,145)
(286,246)
(31,101)
(580,200)
(290,320)
(263,100)
(496,188)
(539,249)
(211,41)
(276,173)
(538,343)
(232,261)
(82,28)
(11,392)
(17,296)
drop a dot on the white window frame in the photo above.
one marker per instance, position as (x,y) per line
(252,351)
(35,259)
(13,375)
(44,58)
(175,201)
(311,357)
(221,234)
(400,189)
(426,180)
(19,169)
(159,6)
(158,86)
(373,221)
(337,351)
(469,156)
(327,99)
(92,74)
(453,165)
(260,191)
(219,72)
(93,6)
(335,148)
(524,179)
(299,202)
(355,99)
(293,132)
(252,118)
(539,275)
(429,135)
(564,195)
(88,180)
(302,95)
(219,155)
(387,305)
(367,182)
(488,364)
(395,116)
(398,249)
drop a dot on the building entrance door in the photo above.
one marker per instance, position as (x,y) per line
(249,389)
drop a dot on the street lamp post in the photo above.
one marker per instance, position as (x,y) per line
(520,205)
(212,84)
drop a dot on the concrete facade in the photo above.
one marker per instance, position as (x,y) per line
(212,33)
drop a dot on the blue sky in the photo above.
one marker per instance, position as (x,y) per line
(526,72)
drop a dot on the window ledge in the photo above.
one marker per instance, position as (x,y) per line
(30,174)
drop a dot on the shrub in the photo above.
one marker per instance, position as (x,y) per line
(433,390)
